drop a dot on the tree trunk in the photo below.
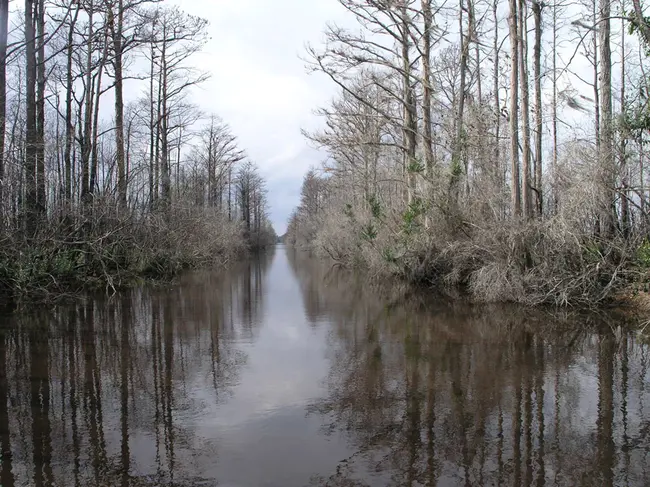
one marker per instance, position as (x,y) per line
(164,129)
(525,110)
(69,126)
(625,204)
(537,55)
(426,88)
(40,109)
(514,108)
(230,193)
(410,110)
(31,133)
(158,163)
(152,124)
(640,20)
(457,154)
(479,78)
(596,87)
(95,123)
(606,144)
(86,147)
(211,167)
(554,111)
(497,101)
(116,31)
(4,29)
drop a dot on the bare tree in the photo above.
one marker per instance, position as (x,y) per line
(31,134)
(606,131)
(539,122)
(4,29)
(514,109)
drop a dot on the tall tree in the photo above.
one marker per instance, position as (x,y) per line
(115,12)
(4,29)
(69,90)
(514,109)
(427,15)
(537,6)
(458,156)
(410,127)
(31,134)
(40,106)
(522,42)
(606,131)
(622,152)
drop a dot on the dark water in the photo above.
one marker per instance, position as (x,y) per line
(285,373)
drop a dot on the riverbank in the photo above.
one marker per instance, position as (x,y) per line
(68,257)
(537,263)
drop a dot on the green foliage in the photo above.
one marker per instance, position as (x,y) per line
(456,168)
(388,254)
(592,252)
(634,28)
(347,210)
(411,216)
(643,255)
(636,119)
(415,166)
(369,232)
(375,206)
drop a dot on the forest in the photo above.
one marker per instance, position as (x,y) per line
(492,148)
(109,169)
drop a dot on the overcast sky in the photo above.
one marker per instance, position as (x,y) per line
(260,86)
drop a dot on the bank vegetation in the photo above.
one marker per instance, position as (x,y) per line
(494,148)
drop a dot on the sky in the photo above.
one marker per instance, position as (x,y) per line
(260,85)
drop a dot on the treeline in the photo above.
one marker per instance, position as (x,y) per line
(99,186)
(495,147)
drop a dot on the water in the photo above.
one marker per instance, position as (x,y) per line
(285,372)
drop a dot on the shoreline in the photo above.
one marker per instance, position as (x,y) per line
(12,300)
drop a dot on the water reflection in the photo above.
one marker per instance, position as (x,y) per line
(450,394)
(100,393)
(286,372)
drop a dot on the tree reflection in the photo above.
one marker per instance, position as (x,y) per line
(6,472)
(101,392)
(451,394)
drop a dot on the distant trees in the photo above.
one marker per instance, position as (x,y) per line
(251,199)
(304,222)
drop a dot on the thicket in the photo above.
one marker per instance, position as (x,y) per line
(451,165)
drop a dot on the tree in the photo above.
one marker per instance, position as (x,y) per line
(514,109)
(522,43)
(174,37)
(539,122)
(347,54)
(4,29)
(217,153)
(33,212)
(606,131)
(115,13)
